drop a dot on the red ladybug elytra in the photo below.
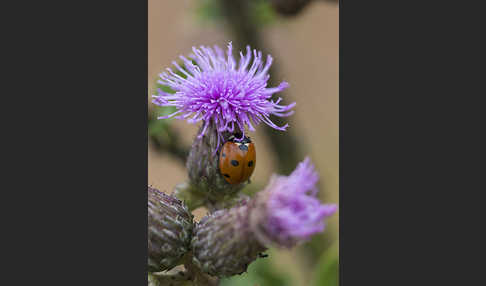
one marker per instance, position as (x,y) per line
(237,160)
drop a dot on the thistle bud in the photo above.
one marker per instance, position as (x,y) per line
(170,226)
(223,244)
(203,165)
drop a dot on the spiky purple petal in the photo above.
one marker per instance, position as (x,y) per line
(232,95)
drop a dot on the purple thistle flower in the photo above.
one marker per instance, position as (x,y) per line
(220,90)
(285,213)
(291,211)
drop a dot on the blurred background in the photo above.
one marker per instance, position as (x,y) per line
(302,37)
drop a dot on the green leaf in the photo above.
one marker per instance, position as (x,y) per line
(326,272)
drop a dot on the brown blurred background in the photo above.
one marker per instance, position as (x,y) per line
(305,48)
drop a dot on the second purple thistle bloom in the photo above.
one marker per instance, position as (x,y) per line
(218,89)
(292,211)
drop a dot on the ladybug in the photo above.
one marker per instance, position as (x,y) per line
(237,160)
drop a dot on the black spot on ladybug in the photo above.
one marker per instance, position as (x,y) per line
(226,175)
(243,147)
(250,163)
(234,163)
(224,154)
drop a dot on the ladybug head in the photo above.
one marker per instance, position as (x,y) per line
(235,136)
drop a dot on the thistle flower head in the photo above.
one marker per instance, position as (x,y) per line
(218,89)
(290,212)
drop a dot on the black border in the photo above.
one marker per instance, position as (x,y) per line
(410,91)
(76,202)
